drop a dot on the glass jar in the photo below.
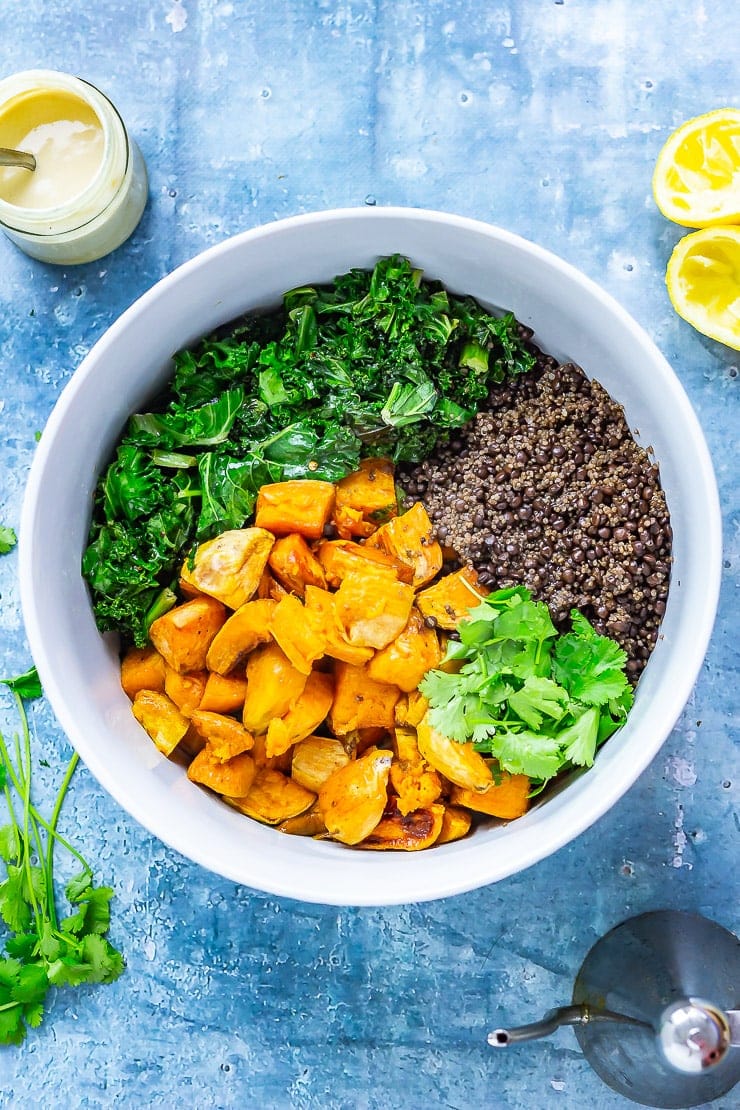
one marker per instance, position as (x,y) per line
(107,206)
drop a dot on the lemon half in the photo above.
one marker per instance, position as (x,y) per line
(696,182)
(703,279)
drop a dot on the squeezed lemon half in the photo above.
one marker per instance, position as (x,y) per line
(703,279)
(696,182)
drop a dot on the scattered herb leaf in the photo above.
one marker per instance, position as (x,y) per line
(8,539)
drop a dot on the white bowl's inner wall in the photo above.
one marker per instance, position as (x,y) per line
(571,318)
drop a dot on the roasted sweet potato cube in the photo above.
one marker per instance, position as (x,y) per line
(298,633)
(372,609)
(232,778)
(353,798)
(410,538)
(351,523)
(320,604)
(273,687)
(276,762)
(449,600)
(507,798)
(185,690)
(339,558)
(142,669)
(407,832)
(223,693)
(407,659)
(294,564)
(315,758)
(303,506)
(225,736)
(184,634)
(360,740)
(460,763)
(161,718)
(370,490)
(416,783)
(230,567)
(410,709)
(306,715)
(455,824)
(359,701)
(241,633)
(274,798)
(310,823)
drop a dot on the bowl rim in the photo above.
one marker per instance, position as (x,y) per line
(481,868)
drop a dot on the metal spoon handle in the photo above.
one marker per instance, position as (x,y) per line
(553,1019)
(10,157)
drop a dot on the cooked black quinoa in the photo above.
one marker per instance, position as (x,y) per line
(548,488)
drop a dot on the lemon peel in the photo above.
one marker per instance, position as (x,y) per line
(696,181)
(703,281)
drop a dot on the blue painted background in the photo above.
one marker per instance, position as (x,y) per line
(544,116)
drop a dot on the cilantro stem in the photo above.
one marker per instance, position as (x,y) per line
(53,835)
(24,775)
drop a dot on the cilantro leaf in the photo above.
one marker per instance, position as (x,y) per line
(589,666)
(539,698)
(526,753)
(8,539)
(26,685)
(579,739)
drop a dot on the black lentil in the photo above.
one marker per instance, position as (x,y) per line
(547,487)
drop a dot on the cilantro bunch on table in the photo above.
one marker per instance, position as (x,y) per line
(43,948)
(379,362)
(538,701)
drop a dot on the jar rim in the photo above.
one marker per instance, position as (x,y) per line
(15,217)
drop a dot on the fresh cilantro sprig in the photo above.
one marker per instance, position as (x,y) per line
(537,701)
(43,949)
(8,539)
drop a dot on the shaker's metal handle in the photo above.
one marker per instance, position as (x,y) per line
(554,1019)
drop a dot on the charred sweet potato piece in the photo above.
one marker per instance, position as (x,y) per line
(315,758)
(184,634)
(320,605)
(223,693)
(225,736)
(294,565)
(340,558)
(161,718)
(230,566)
(273,687)
(273,798)
(410,709)
(359,701)
(406,659)
(407,832)
(410,538)
(353,798)
(449,600)
(460,763)
(303,506)
(142,669)
(231,778)
(455,824)
(241,633)
(298,633)
(310,823)
(372,609)
(370,491)
(416,783)
(507,798)
(350,523)
(185,690)
(306,715)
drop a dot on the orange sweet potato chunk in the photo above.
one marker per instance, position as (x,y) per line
(306,715)
(298,633)
(273,798)
(359,701)
(406,659)
(320,606)
(223,693)
(407,832)
(184,634)
(370,490)
(185,690)
(240,634)
(372,609)
(161,718)
(449,600)
(273,687)
(230,566)
(232,778)
(340,558)
(507,798)
(353,798)
(142,669)
(303,506)
(410,538)
(225,736)
(294,564)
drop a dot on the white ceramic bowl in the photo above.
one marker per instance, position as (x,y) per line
(571,318)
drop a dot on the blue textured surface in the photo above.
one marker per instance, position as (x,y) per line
(544,116)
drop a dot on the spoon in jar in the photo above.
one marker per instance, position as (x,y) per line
(21,158)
